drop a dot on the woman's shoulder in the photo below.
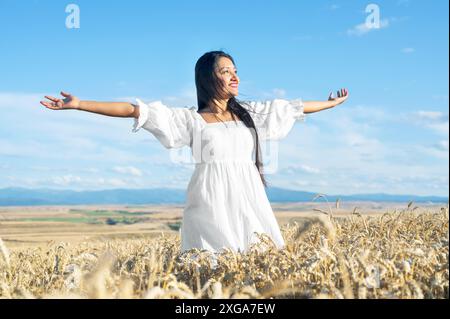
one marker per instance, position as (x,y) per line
(159,111)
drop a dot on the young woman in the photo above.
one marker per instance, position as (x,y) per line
(226,201)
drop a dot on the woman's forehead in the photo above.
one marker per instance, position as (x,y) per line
(225,62)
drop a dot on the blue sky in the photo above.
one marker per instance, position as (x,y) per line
(391,136)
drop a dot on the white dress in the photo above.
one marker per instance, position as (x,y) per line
(226,200)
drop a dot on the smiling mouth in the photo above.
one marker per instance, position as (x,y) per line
(234,85)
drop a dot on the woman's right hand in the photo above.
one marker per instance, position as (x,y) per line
(69,102)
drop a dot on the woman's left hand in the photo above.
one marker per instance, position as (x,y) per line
(342,95)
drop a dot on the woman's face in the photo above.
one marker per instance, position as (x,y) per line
(228,79)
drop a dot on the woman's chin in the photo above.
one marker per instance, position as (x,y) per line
(230,94)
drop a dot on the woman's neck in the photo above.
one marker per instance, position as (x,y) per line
(219,106)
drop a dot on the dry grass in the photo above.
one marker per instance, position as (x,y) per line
(395,255)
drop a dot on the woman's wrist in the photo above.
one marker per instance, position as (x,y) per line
(80,105)
(333,104)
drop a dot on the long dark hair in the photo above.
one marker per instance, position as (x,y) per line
(208,89)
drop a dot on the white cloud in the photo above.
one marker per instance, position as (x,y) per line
(294,169)
(20,99)
(351,153)
(365,28)
(310,169)
(66,180)
(434,120)
(24,149)
(438,150)
(74,182)
(364,114)
(90,170)
(440,97)
(441,128)
(355,139)
(186,98)
(129,170)
(430,115)
(80,143)
(116,182)
(67,136)
(40,168)
(276,93)
(279,93)
(385,177)
(443,145)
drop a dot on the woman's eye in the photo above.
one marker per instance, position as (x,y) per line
(228,71)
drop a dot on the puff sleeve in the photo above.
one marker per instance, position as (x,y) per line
(274,119)
(171,126)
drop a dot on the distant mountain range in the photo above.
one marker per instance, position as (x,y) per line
(15,196)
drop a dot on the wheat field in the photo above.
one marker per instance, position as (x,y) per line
(400,254)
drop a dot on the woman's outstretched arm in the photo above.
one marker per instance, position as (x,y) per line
(316,106)
(70,102)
